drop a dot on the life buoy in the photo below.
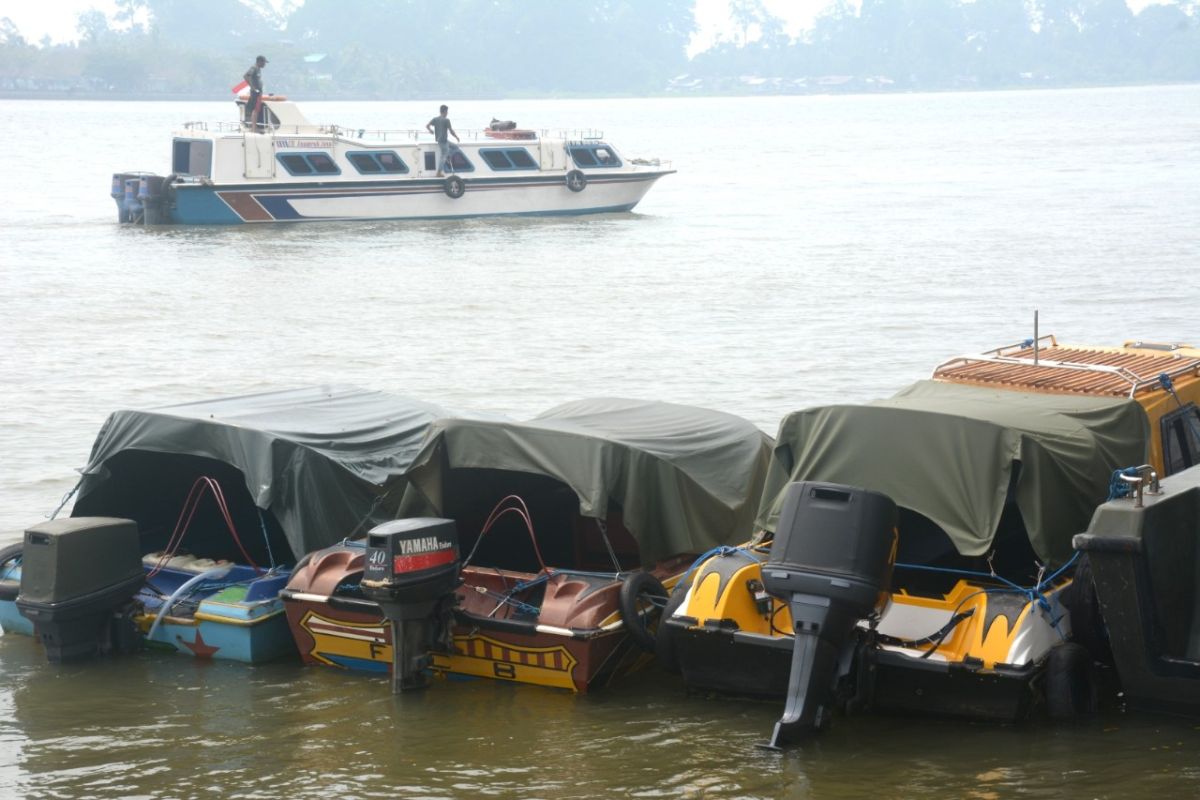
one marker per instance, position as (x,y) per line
(576,181)
(639,608)
(454,187)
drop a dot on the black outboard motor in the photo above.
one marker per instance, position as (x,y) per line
(154,194)
(78,576)
(831,560)
(412,571)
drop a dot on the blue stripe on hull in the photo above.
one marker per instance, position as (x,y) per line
(357,664)
(201,205)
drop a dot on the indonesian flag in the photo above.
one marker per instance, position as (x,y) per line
(241,87)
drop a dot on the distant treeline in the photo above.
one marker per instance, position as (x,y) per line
(393,49)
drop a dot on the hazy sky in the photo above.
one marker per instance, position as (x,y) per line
(36,18)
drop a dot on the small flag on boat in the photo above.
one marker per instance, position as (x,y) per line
(241,86)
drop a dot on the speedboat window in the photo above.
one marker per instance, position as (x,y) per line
(391,162)
(500,159)
(457,161)
(308,164)
(323,164)
(296,164)
(1181,439)
(594,155)
(460,162)
(375,162)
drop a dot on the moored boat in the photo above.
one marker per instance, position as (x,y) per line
(994,464)
(209,503)
(288,169)
(570,525)
(1145,561)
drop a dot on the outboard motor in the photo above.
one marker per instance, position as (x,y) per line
(118,194)
(78,576)
(831,560)
(133,206)
(153,194)
(412,570)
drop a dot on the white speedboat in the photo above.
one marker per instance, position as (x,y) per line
(288,169)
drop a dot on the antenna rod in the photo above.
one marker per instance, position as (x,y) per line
(1036,341)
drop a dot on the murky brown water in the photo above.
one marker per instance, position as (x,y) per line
(166,727)
(809,250)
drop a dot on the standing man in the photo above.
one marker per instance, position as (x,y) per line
(253,77)
(439,126)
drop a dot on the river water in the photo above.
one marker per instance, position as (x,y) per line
(809,250)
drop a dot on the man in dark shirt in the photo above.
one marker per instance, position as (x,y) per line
(253,77)
(439,126)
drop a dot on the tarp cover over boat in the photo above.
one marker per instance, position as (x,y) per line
(947,452)
(318,458)
(686,479)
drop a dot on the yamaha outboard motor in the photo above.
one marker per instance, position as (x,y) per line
(412,570)
(78,576)
(831,560)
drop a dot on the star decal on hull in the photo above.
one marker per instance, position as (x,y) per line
(199,648)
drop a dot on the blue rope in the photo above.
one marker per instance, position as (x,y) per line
(722,550)
(967,572)
(1118,488)
(1034,594)
(524,608)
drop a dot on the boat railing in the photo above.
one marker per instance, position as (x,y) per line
(1019,354)
(468,134)
(390,134)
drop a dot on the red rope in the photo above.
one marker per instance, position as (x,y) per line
(190,505)
(499,511)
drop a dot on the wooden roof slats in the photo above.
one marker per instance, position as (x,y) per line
(1093,371)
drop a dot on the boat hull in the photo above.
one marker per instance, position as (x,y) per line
(412,199)
(238,626)
(1145,561)
(353,635)
(973,652)
(577,640)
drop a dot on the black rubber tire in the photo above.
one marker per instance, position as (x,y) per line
(454,187)
(639,586)
(1070,681)
(1087,620)
(576,181)
(8,552)
(664,638)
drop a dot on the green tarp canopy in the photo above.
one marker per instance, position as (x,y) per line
(321,459)
(686,479)
(948,451)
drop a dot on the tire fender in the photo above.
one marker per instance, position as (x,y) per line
(1070,681)
(576,181)
(664,641)
(454,187)
(638,590)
